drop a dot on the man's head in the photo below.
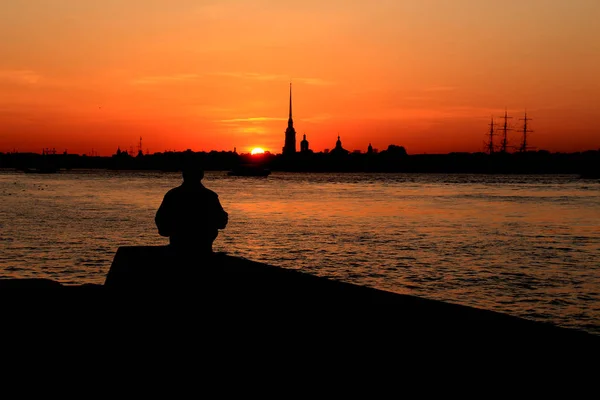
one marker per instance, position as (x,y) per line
(192,171)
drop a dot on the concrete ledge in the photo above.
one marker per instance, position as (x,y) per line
(153,285)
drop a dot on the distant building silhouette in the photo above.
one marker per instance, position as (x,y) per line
(396,151)
(290,132)
(304,145)
(140,153)
(121,153)
(339,150)
(370,149)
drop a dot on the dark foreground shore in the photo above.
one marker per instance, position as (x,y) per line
(153,286)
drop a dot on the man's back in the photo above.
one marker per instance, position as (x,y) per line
(191,215)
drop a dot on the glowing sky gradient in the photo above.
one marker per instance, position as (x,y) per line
(214,75)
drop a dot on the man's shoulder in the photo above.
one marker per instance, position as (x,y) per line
(211,192)
(174,191)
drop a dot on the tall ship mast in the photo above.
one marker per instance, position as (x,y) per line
(489,146)
(523,148)
(504,144)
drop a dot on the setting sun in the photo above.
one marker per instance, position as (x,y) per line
(257,150)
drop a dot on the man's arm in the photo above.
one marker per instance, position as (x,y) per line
(163,218)
(221,216)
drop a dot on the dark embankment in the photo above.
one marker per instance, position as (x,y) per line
(154,285)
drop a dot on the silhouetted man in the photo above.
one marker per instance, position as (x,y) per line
(190,214)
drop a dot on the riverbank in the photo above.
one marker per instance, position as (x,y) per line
(393,159)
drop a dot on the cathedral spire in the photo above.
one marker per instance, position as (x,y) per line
(290,122)
(290,132)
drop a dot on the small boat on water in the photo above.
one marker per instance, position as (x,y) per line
(590,175)
(249,170)
(590,171)
(43,170)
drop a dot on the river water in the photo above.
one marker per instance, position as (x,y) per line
(524,245)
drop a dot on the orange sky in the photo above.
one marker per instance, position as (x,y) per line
(214,75)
